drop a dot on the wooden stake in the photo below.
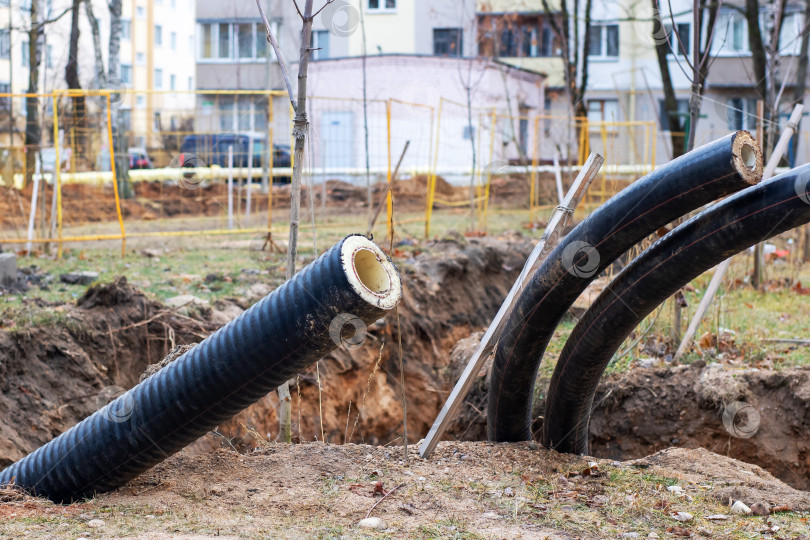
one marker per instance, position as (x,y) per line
(550,238)
(388,190)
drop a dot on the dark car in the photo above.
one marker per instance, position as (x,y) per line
(212,149)
(139,159)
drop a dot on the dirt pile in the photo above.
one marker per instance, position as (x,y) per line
(58,363)
(752,415)
(466,490)
(650,409)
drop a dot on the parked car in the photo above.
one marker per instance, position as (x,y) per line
(212,149)
(139,159)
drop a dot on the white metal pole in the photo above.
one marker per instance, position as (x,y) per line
(249,176)
(31,218)
(230,187)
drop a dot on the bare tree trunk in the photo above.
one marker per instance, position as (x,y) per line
(113,56)
(700,62)
(113,77)
(72,68)
(300,130)
(78,114)
(91,17)
(33,131)
(670,101)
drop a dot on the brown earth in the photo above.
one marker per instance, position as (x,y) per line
(59,366)
(84,203)
(466,491)
(54,371)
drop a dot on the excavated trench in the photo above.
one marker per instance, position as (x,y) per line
(53,374)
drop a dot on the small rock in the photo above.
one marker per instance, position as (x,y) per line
(652,536)
(717,517)
(152,253)
(678,490)
(257,291)
(630,535)
(185,300)
(760,509)
(704,531)
(95,523)
(740,507)
(79,278)
(508,492)
(372,523)
(682,516)
(533,445)
(491,515)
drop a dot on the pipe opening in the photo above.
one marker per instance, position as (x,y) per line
(749,156)
(371,272)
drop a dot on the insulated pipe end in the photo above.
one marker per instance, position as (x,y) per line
(370,272)
(747,157)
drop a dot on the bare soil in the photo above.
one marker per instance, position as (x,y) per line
(466,490)
(58,367)
(85,203)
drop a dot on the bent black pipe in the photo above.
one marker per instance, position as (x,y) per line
(686,183)
(279,336)
(751,216)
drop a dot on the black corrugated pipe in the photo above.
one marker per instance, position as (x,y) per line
(352,284)
(777,205)
(671,191)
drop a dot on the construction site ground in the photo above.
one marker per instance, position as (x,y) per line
(64,349)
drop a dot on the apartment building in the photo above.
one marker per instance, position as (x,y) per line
(156,55)
(624,78)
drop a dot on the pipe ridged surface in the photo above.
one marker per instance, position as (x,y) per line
(751,216)
(279,336)
(675,189)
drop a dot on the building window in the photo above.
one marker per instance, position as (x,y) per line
(447,41)
(126,74)
(231,41)
(682,111)
(546,46)
(158,35)
(680,41)
(320,44)
(140,12)
(5,102)
(741,113)
(158,78)
(244,38)
(174,4)
(382,5)
(508,43)
(126,29)
(242,113)
(224,40)
(603,110)
(140,58)
(604,42)
(173,40)
(5,43)
(730,35)
(790,36)
(172,82)
(140,101)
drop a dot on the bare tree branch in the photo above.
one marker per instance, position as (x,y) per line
(272,40)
